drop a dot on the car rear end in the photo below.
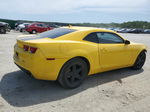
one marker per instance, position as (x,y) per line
(30,59)
(26,56)
(39,56)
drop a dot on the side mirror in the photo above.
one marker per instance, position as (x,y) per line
(127,42)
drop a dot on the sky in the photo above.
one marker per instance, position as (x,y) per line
(76,11)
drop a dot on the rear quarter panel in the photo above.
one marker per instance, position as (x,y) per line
(70,49)
(85,49)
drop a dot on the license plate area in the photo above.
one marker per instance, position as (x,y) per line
(17,54)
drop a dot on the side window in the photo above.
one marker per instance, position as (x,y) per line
(105,37)
(45,26)
(40,25)
(92,37)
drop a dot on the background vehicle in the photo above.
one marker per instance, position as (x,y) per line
(16,25)
(147,31)
(4,27)
(53,25)
(124,30)
(136,30)
(69,54)
(21,27)
(37,28)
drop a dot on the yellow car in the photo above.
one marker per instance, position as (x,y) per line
(69,54)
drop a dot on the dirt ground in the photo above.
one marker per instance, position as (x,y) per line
(123,90)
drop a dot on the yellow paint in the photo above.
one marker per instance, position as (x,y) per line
(102,57)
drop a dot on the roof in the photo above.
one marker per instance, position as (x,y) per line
(3,23)
(80,33)
(88,28)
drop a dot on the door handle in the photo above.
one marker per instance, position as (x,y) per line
(103,50)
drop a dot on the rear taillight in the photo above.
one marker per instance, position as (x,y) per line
(33,49)
(29,48)
(26,47)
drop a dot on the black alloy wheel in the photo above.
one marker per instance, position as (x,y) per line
(140,61)
(73,73)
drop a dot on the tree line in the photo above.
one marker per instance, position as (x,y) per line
(130,24)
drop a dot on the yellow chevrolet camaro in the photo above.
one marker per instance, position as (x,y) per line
(69,54)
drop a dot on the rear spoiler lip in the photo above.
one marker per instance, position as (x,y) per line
(26,38)
(26,43)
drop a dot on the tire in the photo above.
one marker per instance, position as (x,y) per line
(34,31)
(3,30)
(139,61)
(73,73)
(21,30)
(8,30)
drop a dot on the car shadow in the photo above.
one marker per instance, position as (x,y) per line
(21,90)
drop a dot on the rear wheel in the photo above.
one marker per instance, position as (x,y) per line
(2,30)
(140,61)
(34,31)
(73,73)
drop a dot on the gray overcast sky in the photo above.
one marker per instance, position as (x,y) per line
(96,11)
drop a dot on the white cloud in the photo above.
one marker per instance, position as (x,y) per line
(68,6)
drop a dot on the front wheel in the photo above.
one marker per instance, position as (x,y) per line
(73,73)
(140,61)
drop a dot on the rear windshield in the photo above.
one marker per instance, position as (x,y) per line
(55,33)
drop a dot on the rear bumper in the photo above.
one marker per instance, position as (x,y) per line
(24,70)
(37,65)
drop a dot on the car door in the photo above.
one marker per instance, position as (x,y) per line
(94,55)
(45,27)
(39,28)
(113,52)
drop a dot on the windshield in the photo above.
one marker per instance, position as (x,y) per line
(55,33)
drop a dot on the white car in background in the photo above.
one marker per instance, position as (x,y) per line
(22,26)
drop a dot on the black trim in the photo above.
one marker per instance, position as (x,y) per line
(85,38)
(24,70)
(112,42)
(91,37)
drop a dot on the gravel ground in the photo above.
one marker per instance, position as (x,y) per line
(121,90)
